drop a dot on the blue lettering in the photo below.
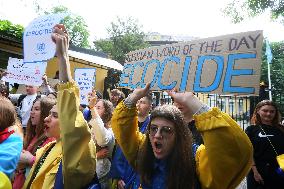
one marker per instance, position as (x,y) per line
(232,72)
(39,32)
(184,77)
(201,60)
(48,30)
(131,85)
(125,75)
(173,84)
(155,61)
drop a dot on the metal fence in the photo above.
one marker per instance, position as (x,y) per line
(240,108)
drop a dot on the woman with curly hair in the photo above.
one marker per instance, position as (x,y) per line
(165,156)
(267,137)
(34,138)
(103,136)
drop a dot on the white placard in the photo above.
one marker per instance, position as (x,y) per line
(38,45)
(85,78)
(23,73)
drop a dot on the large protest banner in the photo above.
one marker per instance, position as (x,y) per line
(38,45)
(227,64)
(21,73)
(86,79)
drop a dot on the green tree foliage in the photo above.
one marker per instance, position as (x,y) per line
(238,10)
(76,27)
(124,36)
(7,28)
(276,70)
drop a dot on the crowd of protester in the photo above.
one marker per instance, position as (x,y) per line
(52,141)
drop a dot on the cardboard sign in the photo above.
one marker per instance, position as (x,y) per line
(86,79)
(38,45)
(224,65)
(22,73)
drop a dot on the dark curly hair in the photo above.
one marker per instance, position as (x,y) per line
(181,168)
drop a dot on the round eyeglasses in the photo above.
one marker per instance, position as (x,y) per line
(164,131)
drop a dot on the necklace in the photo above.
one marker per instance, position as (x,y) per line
(39,164)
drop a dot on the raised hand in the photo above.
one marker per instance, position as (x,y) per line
(181,98)
(44,79)
(103,153)
(92,99)
(61,38)
(139,93)
(4,73)
(26,157)
(187,99)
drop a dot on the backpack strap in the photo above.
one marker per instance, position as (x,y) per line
(21,98)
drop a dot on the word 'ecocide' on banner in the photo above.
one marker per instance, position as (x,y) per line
(223,65)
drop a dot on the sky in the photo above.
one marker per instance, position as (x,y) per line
(202,18)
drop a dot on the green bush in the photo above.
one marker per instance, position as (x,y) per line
(7,28)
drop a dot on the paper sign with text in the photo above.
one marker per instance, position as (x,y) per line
(38,45)
(86,79)
(25,73)
(227,64)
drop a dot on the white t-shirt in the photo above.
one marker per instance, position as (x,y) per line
(103,137)
(25,111)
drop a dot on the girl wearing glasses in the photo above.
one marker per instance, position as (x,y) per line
(165,156)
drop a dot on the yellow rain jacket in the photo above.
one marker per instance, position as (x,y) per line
(221,163)
(75,145)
